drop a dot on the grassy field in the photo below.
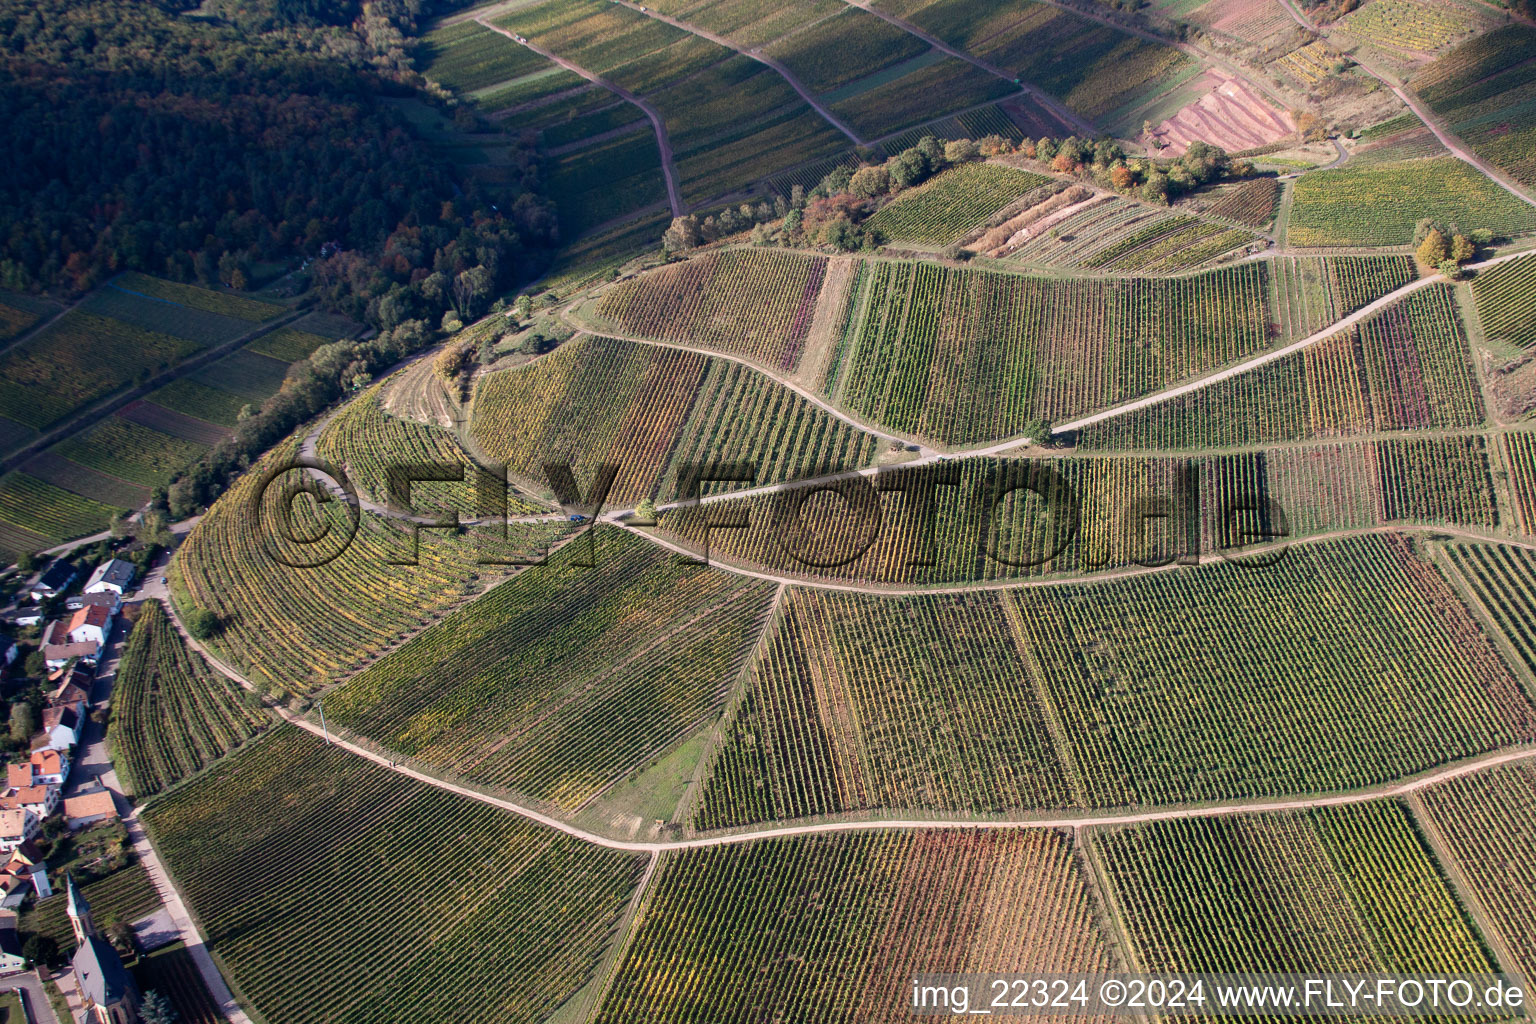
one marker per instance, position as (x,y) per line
(518,932)
(1380,205)
(564,680)
(941,211)
(172,714)
(831,927)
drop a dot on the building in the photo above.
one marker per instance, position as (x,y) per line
(62,724)
(40,800)
(107,598)
(16,827)
(53,581)
(50,766)
(21,876)
(107,988)
(112,576)
(89,808)
(81,636)
(11,959)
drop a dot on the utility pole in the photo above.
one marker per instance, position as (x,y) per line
(321,705)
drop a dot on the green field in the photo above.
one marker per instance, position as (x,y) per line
(518,932)
(172,714)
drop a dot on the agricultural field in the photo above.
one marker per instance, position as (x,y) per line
(138,454)
(649,411)
(1487,823)
(964,356)
(831,927)
(40,510)
(1250,203)
(1349,890)
(1378,206)
(941,211)
(1506,302)
(171,713)
(120,897)
(1082,229)
(1407,368)
(867,703)
(172,972)
(978,526)
(1520,457)
(1410,24)
(1092,68)
(1482,89)
(468,57)
(290,628)
(1020,702)
(20,313)
(520,931)
(565,679)
(1503,580)
(754,303)
(928,91)
(848,46)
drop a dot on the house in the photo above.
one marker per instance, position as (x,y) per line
(59,655)
(16,827)
(61,727)
(18,776)
(11,959)
(113,575)
(40,800)
(110,995)
(24,617)
(53,581)
(50,767)
(107,599)
(81,636)
(74,691)
(89,808)
(21,875)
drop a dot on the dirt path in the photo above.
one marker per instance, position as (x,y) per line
(1050,104)
(668,166)
(1449,141)
(757,55)
(1394,789)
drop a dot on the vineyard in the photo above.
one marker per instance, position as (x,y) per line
(121,897)
(1482,88)
(290,628)
(41,510)
(1228,682)
(1309,64)
(965,356)
(848,46)
(754,303)
(1379,205)
(1312,292)
(295,857)
(862,703)
(1091,67)
(649,411)
(468,56)
(931,90)
(1251,203)
(831,927)
(1503,579)
(368,442)
(172,972)
(171,713)
(1088,696)
(1407,368)
(1409,25)
(222,303)
(130,451)
(1347,890)
(1506,302)
(1014,520)
(941,211)
(1488,821)
(565,679)
(1104,232)
(1520,457)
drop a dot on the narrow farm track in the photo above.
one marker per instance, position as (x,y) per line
(668,167)
(1388,790)
(1449,141)
(1068,117)
(754,54)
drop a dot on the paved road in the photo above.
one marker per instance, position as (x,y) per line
(668,166)
(1467,767)
(31,990)
(94,767)
(757,55)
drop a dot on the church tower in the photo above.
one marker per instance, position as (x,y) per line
(80,914)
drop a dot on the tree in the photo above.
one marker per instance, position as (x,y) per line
(961,151)
(681,234)
(645,512)
(27,562)
(23,722)
(118,525)
(157,1009)
(202,623)
(868,182)
(1462,249)
(35,665)
(1434,250)
(40,949)
(1451,269)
